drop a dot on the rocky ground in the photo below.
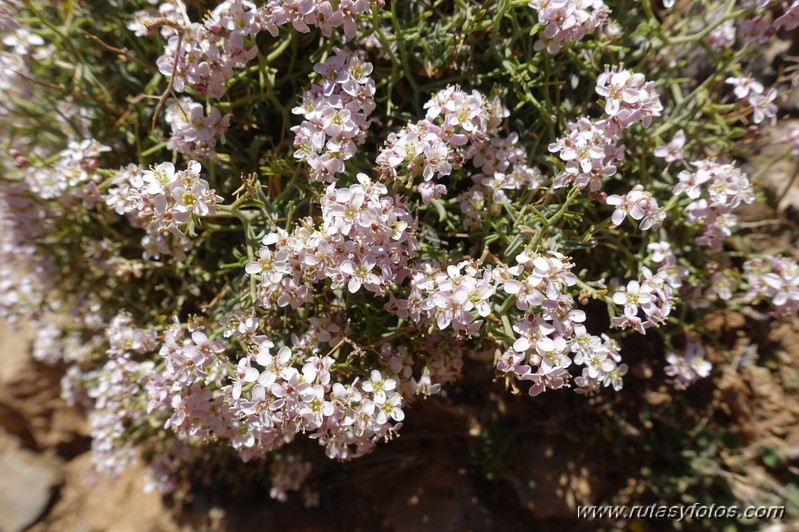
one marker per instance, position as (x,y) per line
(46,477)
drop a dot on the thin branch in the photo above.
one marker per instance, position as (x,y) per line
(121,51)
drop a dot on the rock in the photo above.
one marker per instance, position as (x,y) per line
(93,502)
(8,442)
(30,404)
(27,483)
(14,351)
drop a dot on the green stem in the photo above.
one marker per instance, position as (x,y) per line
(149,151)
(573,193)
(728,15)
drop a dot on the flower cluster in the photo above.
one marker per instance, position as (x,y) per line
(432,149)
(757,30)
(716,189)
(52,345)
(116,388)
(639,205)
(13,78)
(188,390)
(629,99)
(336,113)
(723,35)
(322,14)
(444,364)
(749,90)
(193,133)
(64,178)
(365,241)
(775,279)
(206,55)
(591,150)
(74,168)
(501,162)
(459,127)
(440,370)
(276,399)
(273,395)
(591,155)
(448,297)
(161,200)
(47,344)
(668,269)
(651,296)
(21,49)
(689,367)
(24,42)
(23,224)
(269,396)
(551,334)
(567,20)
(170,14)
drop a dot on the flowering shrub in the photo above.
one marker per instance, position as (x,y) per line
(264,222)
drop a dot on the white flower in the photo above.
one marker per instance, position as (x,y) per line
(158,178)
(390,409)
(378,386)
(636,295)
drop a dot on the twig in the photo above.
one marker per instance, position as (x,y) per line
(171,83)
(38,82)
(157,23)
(124,53)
